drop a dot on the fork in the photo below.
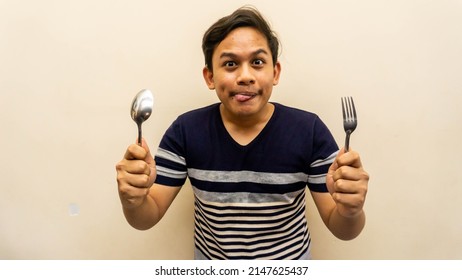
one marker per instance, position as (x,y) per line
(350,120)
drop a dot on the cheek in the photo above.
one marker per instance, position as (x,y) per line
(224,81)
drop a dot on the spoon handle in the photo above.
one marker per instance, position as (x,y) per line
(139,134)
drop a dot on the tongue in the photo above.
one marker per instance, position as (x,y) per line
(242,97)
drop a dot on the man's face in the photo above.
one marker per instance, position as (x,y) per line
(243,74)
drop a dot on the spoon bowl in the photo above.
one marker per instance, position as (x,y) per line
(141,109)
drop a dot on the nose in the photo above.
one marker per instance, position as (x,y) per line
(246,75)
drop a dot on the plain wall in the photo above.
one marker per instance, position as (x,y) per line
(70,69)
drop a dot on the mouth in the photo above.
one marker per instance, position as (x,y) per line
(243,96)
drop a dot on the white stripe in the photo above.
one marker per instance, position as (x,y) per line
(165,154)
(167,172)
(239,198)
(329,160)
(317,179)
(247,176)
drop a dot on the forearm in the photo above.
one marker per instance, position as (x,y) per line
(346,228)
(144,216)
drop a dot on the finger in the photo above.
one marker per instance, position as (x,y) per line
(135,151)
(350,187)
(349,173)
(126,179)
(136,167)
(351,158)
(139,180)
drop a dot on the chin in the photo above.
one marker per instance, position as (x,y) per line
(246,111)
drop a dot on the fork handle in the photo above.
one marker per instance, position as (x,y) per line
(347,141)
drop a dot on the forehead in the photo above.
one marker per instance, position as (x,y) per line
(242,40)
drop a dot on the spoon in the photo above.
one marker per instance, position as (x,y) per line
(141,109)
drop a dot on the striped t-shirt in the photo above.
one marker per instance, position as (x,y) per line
(249,200)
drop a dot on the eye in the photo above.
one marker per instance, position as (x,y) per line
(229,64)
(258,62)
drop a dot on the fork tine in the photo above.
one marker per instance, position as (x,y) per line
(349,119)
(348,108)
(353,109)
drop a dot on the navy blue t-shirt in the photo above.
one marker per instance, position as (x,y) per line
(249,200)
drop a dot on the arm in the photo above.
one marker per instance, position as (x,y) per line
(144,203)
(342,208)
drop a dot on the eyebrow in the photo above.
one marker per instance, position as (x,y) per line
(233,55)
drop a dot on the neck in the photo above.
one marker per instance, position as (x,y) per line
(243,129)
(245,122)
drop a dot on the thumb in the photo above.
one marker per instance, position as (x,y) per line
(149,159)
(332,168)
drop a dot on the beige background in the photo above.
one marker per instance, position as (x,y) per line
(69,71)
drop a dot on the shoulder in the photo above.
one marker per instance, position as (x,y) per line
(306,123)
(287,113)
(189,128)
(194,123)
(198,115)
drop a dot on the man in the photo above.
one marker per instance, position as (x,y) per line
(248,160)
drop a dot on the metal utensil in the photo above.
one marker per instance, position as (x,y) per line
(350,120)
(141,109)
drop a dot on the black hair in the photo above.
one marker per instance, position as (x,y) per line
(246,16)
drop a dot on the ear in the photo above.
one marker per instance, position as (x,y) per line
(276,73)
(208,77)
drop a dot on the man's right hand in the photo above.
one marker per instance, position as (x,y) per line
(136,173)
